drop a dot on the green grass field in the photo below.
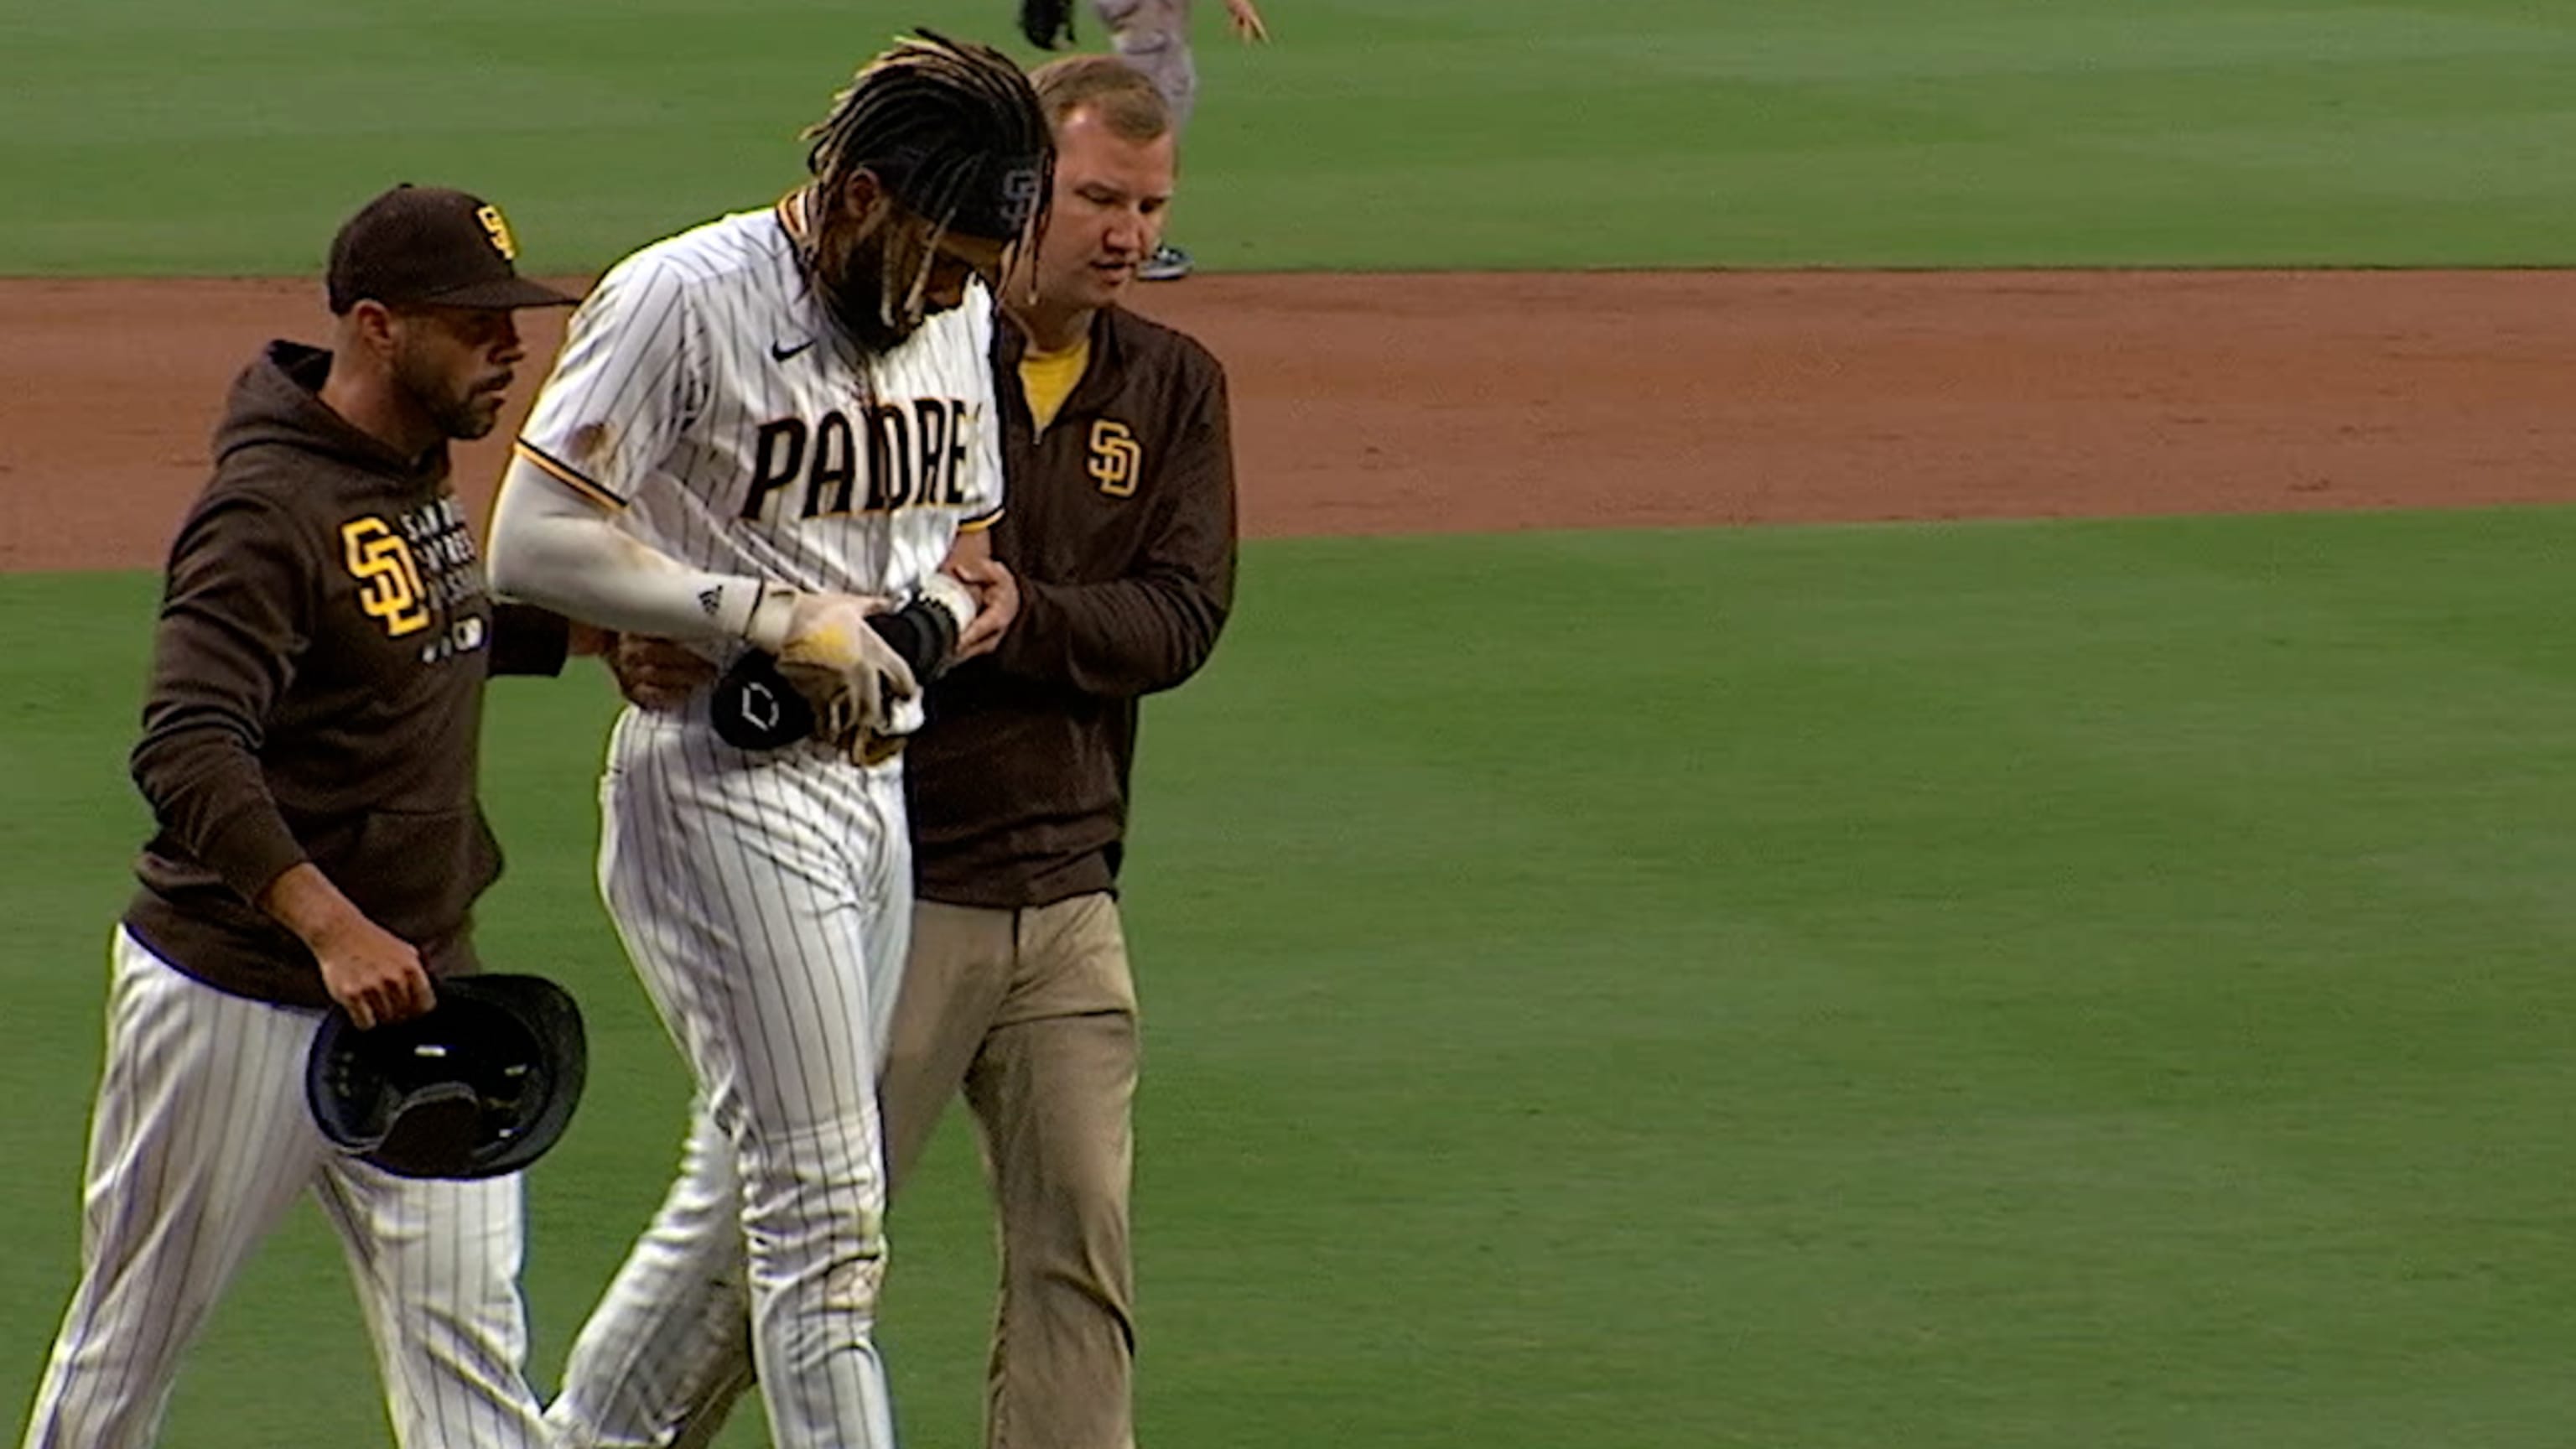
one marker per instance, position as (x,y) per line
(1977,986)
(171,135)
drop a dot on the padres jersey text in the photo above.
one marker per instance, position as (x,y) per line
(704,393)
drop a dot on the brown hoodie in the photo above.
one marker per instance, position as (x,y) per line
(316,693)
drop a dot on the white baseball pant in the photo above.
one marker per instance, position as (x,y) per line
(765,900)
(200,1142)
(1154,37)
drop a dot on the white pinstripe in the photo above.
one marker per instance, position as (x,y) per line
(200,1143)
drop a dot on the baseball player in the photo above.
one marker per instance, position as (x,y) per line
(309,754)
(759,433)
(1017,993)
(1154,37)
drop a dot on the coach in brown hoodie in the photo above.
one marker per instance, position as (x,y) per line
(309,750)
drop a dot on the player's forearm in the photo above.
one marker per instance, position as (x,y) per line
(561,552)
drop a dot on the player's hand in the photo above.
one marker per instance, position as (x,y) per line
(656,673)
(997,603)
(852,703)
(1245,18)
(826,649)
(373,974)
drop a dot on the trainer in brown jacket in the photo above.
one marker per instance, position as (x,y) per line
(308,751)
(1119,527)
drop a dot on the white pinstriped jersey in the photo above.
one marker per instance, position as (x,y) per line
(704,391)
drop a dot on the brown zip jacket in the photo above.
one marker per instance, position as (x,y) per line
(1120,525)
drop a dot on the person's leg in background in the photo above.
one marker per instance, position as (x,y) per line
(1154,37)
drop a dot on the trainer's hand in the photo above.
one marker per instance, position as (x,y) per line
(1245,18)
(656,673)
(997,603)
(373,974)
(587,640)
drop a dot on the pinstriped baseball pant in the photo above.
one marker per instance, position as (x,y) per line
(765,901)
(1031,1016)
(200,1143)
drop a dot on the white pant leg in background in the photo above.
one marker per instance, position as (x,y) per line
(1154,37)
(200,1141)
(765,901)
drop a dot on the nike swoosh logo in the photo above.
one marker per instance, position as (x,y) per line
(780,353)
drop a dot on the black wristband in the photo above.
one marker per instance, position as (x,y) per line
(922,632)
(753,706)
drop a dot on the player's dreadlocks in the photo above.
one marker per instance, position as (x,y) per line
(953,131)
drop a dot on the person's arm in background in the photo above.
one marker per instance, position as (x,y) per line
(1245,18)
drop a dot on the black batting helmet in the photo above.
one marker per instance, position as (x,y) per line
(479,1085)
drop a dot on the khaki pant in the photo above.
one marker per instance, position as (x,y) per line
(1032,1015)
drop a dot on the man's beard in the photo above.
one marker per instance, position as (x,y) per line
(468,418)
(466,415)
(867,288)
(463,415)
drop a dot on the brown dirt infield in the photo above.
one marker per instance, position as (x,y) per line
(1371,404)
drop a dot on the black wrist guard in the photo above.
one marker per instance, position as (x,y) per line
(923,633)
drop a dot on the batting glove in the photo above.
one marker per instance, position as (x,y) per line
(826,649)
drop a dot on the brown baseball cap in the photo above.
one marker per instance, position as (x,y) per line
(430,244)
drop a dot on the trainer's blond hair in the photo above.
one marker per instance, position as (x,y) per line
(1121,95)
